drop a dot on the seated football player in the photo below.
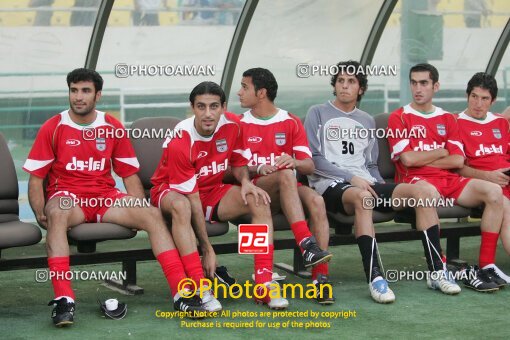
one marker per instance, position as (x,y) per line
(195,165)
(78,169)
(278,144)
(485,136)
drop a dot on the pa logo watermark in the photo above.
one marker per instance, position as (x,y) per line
(253,239)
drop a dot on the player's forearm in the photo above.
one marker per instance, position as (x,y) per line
(36,195)
(449,162)
(416,159)
(134,186)
(198,222)
(468,171)
(305,166)
(241,173)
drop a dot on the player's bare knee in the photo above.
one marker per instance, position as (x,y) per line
(259,211)
(493,195)
(287,177)
(318,206)
(180,208)
(55,213)
(361,197)
(425,192)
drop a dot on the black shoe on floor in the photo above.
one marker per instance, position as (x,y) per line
(63,313)
(324,290)
(224,277)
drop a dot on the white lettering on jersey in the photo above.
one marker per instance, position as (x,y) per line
(428,147)
(254,139)
(257,160)
(212,169)
(487,150)
(73,142)
(476,133)
(89,165)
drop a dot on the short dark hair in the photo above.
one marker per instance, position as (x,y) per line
(424,67)
(207,87)
(85,74)
(263,79)
(361,76)
(485,81)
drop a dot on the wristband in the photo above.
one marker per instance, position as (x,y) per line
(258,168)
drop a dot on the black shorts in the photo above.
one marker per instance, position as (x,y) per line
(333,195)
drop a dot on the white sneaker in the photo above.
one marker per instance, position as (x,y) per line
(209,302)
(443,282)
(380,291)
(267,293)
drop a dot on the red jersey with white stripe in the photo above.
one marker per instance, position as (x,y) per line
(485,141)
(77,164)
(191,162)
(411,130)
(269,138)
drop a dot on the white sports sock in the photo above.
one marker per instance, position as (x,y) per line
(69,299)
(498,271)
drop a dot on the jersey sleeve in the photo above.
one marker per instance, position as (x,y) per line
(41,156)
(124,159)
(372,154)
(241,154)
(454,144)
(181,171)
(300,147)
(396,127)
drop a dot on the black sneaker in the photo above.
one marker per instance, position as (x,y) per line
(494,277)
(191,305)
(63,313)
(224,277)
(474,278)
(312,254)
(325,294)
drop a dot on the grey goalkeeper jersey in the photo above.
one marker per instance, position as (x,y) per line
(343,145)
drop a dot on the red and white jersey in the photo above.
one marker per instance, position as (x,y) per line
(269,138)
(411,130)
(77,164)
(485,141)
(191,162)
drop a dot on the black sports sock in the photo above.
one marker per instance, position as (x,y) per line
(434,262)
(365,248)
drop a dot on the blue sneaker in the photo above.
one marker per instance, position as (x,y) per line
(380,290)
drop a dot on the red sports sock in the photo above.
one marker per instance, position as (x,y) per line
(264,266)
(193,267)
(321,268)
(488,248)
(60,266)
(301,231)
(172,268)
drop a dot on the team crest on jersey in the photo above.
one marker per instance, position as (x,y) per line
(441,129)
(101,144)
(496,133)
(280,138)
(221,145)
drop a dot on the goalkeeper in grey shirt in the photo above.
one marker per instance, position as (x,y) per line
(345,151)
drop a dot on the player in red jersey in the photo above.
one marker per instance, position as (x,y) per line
(78,168)
(279,146)
(190,177)
(486,138)
(430,158)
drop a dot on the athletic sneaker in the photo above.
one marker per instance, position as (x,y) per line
(192,305)
(380,291)
(442,280)
(476,279)
(496,275)
(63,313)
(312,254)
(209,302)
(224,277)
(325,294)
(266,294)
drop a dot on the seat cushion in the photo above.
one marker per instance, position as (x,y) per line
(18,234)
(100,232)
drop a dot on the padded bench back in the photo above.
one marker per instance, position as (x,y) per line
(9,208)
(148,150)
(386,166)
